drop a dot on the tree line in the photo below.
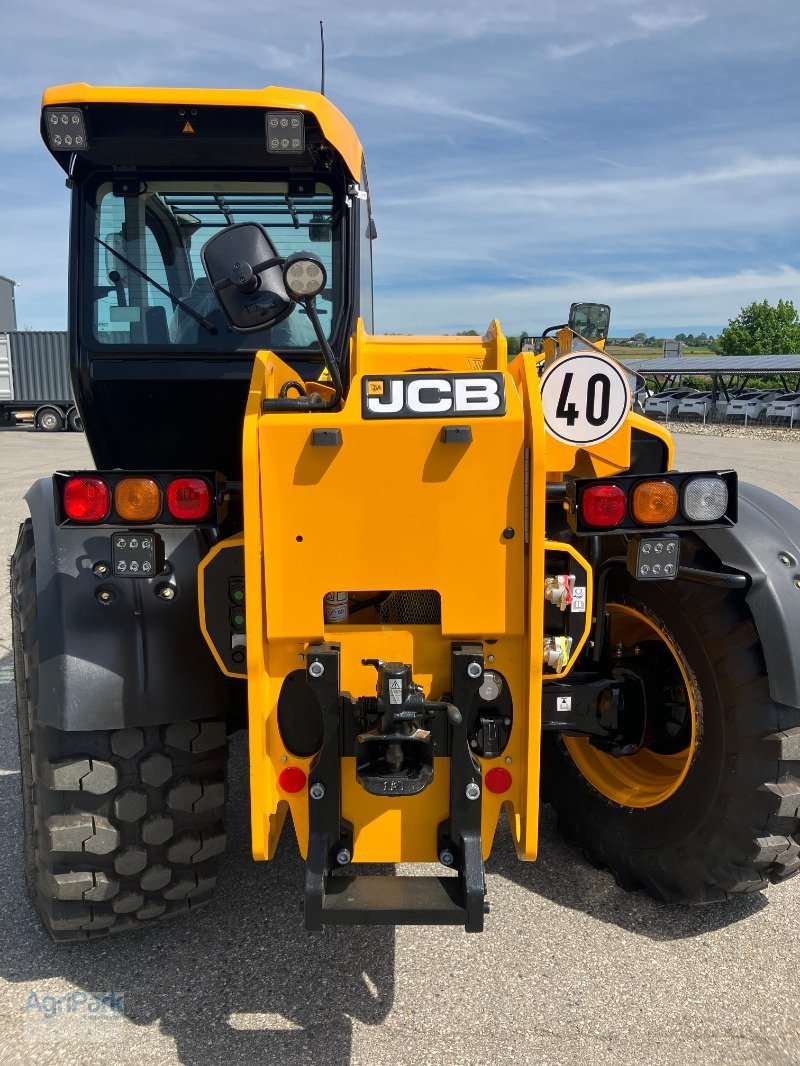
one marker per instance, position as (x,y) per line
(758,329)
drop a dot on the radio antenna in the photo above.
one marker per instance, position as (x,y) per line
(322,57)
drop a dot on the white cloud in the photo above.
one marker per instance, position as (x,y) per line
(677,302)
(422,102)
(660,21)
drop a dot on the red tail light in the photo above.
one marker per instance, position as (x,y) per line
(86,499)
(603,506)
(189,499)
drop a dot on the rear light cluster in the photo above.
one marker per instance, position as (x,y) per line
(668,501)
(98,499)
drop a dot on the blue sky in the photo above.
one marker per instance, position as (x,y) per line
(522,154)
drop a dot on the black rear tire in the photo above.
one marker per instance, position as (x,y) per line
(122,826)
(49,420)
(74,420)
(733,825)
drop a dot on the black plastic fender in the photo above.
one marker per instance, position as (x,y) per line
(139,659)
(765,545)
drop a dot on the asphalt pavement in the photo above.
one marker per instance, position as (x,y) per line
(571,968)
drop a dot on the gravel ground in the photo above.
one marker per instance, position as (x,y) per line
(572,969)
(753,431)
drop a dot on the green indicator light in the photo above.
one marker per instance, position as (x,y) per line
(238,595)
(238,619)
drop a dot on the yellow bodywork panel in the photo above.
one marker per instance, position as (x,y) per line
(395,508)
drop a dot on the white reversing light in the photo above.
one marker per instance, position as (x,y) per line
(705,499)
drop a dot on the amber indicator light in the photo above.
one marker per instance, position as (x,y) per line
(654,503)
(137,499)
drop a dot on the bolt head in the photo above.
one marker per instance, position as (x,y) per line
(446,857)
(490,658)
(100,569)
(167,593)
(105,596)
(317,790)
(474,670)
(343,857)
(797,582)
(472,791)
(316,669)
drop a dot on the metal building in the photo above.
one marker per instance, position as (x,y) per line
(8,310)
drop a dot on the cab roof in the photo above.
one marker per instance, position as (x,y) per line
(335,127)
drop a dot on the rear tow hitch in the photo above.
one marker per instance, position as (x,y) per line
(395,757)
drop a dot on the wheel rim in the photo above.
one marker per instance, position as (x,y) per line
(647,778)
(48,421)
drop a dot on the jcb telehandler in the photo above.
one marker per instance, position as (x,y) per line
(416,571)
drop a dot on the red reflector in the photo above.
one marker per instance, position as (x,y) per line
(603,506)
(86,499)
(498,780)
(292,779)
(189,498)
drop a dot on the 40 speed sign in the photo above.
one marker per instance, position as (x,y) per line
(585,397)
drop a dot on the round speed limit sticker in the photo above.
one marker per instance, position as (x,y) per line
(585,397)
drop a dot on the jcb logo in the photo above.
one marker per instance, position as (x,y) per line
(433,396)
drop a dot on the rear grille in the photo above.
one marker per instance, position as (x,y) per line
(419,607)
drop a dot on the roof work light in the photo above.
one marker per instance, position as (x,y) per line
(66,129)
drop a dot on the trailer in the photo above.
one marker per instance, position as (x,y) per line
(34,380)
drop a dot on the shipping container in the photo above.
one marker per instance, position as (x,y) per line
(34,377)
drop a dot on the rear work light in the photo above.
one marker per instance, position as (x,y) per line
(189,499)
(86,499)
(286,132)
(137,499)
(66,129)
(603,506)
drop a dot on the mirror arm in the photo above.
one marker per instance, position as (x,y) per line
(306,403)
(330,359)
(554,329)
(225,282)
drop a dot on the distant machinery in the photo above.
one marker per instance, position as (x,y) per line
(8,310)
(673,349)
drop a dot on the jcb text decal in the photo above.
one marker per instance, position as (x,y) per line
(433,396)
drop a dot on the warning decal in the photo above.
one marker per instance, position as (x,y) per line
(579,599)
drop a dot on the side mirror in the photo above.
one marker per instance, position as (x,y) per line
(245,272)
(590,321)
